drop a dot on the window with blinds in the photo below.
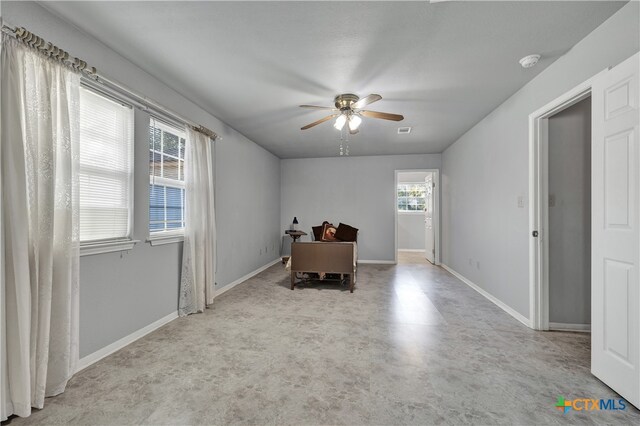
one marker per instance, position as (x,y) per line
(106,168)
(166,178)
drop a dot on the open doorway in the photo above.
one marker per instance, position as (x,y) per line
(569,218)
(560,212)
(417,216)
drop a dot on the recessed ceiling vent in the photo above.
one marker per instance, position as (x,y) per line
(404,130)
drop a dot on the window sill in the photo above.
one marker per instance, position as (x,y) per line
(168,238)
(90,249)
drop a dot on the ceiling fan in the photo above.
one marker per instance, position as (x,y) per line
(348,109)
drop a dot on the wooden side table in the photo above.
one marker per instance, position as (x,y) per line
(295,234)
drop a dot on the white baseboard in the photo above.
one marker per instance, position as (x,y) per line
(517,315)
(119,344)
(377,262)
(412,250)
(246,277)
(559,326)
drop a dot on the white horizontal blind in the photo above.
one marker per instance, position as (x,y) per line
(106,168)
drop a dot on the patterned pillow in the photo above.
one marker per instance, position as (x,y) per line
(329,232)
(346,232)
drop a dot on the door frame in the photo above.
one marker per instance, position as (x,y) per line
(436,209)
(539,199)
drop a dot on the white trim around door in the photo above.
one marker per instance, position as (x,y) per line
(436,209)
(539,200)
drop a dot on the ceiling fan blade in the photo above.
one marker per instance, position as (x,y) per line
(383,115)
(322,120)
(318,107)
(366,101)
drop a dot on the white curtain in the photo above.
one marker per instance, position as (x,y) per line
(198,256)
(39,154)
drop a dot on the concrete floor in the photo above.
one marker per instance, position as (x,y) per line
(412,345)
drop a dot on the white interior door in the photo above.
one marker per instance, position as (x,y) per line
(615,299)
(429,234)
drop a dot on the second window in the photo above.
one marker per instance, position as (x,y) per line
(166,178)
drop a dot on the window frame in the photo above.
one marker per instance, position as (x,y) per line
(409,212)
(115,244)
(176,235)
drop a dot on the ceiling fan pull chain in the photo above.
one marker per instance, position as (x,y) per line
(344,142)
(346,137)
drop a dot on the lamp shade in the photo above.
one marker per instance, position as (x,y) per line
(354,122)
(339,124)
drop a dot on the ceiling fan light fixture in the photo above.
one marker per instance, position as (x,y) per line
(354,122)
(348,109)
(340,121)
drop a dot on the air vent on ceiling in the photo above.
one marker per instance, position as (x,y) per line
(404,130)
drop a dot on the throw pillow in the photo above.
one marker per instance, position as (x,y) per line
(329,232)
(346,232)
(317,232)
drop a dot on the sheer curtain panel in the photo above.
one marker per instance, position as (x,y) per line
(39,154)
(198,254)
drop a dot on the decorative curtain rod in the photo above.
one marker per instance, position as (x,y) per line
(52,51)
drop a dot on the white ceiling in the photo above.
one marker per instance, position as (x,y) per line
(444,66)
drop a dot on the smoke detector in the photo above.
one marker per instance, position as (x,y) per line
(529,61)
(404,130)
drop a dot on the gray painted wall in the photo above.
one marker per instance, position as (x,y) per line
(359,191)
(247,208)
(112,285)
(412,176)
(486,170)
(570,215)
(123,293)
(411,231)
(411,225)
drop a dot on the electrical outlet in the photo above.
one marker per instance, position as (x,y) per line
(552,200)
(520,201)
